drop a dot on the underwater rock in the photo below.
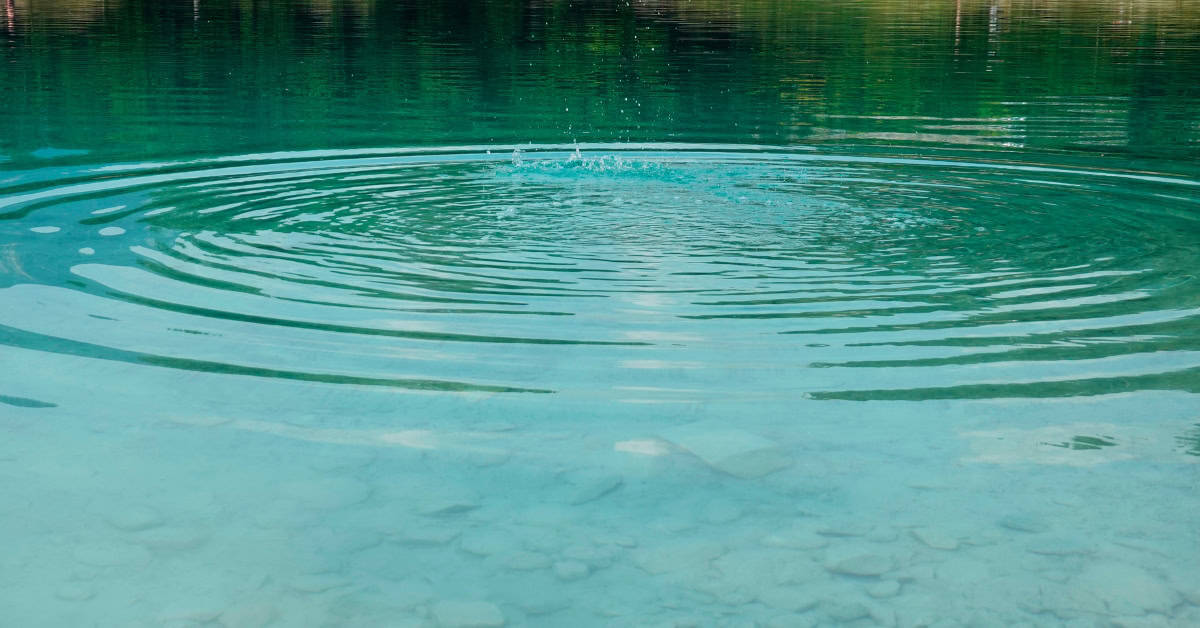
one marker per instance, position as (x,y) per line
(542,540)
(317,582)
(589,486)
(201,610)
(736,452)
(1125,589)
(721,512)
(795,538)
(689,555)
(328,493)
(203,420)
(915,573)
(1023,523)
(844,612)
(568,570)
(884,589)
(1148,621)
(792,620)
(134,518)
(527,561)
(865,564)
(595,557)
(467,614)
(427,535)
(486,542)
(405,593)
(75,592)
(333,542)
(111,554)
(882,534)
(1060,546)
(619,540)
(725,592)
(540,601)
(884,615)
(756,568)
(446,502)
(172,538)
(342,460)
(846,528)
(962,570)
(487,457)
(935,539)
(794,599)
(253,614)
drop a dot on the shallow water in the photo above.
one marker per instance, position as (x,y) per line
(654,314)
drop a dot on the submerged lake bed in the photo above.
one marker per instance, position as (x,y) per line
(761,313)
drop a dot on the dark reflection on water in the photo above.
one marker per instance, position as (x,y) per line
(138,77)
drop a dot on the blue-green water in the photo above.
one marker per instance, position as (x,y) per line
(648,314)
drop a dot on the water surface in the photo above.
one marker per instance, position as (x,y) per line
(659,313)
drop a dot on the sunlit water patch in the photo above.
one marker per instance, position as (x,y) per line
(628,384)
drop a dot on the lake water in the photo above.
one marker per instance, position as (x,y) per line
(650,313)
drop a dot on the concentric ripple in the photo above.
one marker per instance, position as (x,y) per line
(665,273)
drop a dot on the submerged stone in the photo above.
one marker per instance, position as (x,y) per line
(843,612)
(447,502)
(792,620)
(862,565)
(795,599)
(1126,589)
(75,592)
(527,561)
(253,614)
(328,493)
(427,535)
(722,512)
(1023,523)
(111,554)
(1060,546)
(884,589)
(845,528)
(935,539)
(677,556)
(173,538)
(134,518)
(795,538)
(487,542)
(317,583)
(540,601)
(568,570)
(467,614)
(200,610)
(730,450)
(590,486)
(597,557)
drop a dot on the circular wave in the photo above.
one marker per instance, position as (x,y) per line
(667,273)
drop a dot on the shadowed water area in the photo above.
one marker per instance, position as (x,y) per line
(781,314)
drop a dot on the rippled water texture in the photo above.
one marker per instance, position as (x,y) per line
(736,346)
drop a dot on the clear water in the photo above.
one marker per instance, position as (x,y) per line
(667,313)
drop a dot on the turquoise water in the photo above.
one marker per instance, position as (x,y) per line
(659,314)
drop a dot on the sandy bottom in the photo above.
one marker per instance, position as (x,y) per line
(209,500)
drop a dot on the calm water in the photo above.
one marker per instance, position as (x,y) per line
(638,314)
